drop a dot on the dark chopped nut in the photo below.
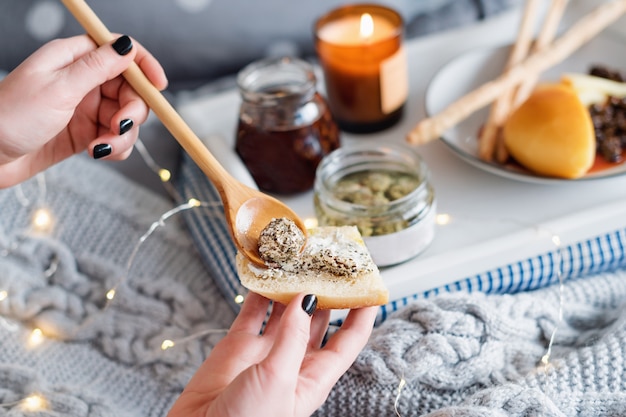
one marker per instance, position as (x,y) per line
(611,149)
(605,72)
(609,119)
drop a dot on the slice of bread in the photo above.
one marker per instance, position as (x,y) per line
(335,265)
(551,133)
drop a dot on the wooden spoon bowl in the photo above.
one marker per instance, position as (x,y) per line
(248,211)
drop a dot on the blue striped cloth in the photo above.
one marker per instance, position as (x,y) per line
(209,231)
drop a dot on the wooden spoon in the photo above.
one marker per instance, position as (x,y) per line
(247,210)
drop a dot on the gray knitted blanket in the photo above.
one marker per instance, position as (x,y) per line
(451,355)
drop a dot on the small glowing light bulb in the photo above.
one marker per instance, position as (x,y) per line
(36,338)
(443,219)
(556,240)
(3,295)
(34,402)
(239,298)
(310,223)
(402,384)
(42,220)
(111,294)
(167,344)
(165,175)
(194,203)
(545,359)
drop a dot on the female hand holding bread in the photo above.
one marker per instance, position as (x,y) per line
(282,371)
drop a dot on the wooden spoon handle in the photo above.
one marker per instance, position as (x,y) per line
(154,98)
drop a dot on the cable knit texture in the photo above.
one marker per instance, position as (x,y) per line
(458,354)
(479,355)
(100,358)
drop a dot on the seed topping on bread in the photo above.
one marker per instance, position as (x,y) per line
(326,250)
(280,241)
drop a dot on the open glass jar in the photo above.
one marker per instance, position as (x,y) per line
(385,191)
(285,127)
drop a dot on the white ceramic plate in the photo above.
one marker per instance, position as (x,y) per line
(470,70)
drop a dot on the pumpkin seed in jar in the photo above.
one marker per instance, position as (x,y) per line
(374,187)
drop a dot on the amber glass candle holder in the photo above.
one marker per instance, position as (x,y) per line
(361,53)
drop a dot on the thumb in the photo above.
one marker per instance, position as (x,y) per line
(100,65)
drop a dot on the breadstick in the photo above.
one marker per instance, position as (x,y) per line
(521,93)
(578,34)
(547,34)
(500,109)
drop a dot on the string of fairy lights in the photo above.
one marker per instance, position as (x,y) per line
(43,222)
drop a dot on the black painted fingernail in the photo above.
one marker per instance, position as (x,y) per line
(102,150)
(125,126)
(309,302)
(123,45)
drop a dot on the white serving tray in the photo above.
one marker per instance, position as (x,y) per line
(493,220)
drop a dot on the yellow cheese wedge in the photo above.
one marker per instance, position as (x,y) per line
(551,133)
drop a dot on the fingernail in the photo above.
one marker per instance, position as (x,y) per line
(123,45)
(309,302)
(102,150)
(125,126)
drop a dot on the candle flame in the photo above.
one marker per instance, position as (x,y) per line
(367,26)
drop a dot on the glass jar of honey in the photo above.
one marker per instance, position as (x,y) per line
(285,127)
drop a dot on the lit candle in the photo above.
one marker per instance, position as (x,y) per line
(364,64)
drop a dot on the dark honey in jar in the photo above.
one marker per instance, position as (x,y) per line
(285,127)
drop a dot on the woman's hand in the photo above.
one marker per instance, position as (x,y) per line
(283,371)
(68,97)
